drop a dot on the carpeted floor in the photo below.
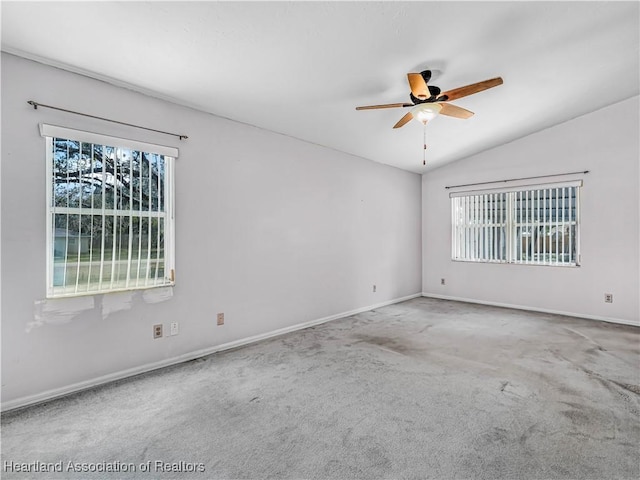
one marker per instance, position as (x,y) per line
(423,389)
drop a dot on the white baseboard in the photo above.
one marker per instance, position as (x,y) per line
(76,387)
(533,309)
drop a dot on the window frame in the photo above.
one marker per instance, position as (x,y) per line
(170,154)
(511,223)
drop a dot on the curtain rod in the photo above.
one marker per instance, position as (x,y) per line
(515,179)
(36,105)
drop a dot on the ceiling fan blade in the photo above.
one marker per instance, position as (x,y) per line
(454,111)
(387,105)
(404,120)
(418,86)
(471,89)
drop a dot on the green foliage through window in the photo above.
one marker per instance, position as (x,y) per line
(108,217)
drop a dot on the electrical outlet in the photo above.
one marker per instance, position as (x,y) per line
(221,319)
(374,289)
(157,331)
(608,298)
(442,281)
(174,328)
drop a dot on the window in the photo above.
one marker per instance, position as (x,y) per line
(109,213)
(538,226)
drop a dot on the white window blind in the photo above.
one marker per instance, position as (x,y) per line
(109,213)
(480,227)
(529,225)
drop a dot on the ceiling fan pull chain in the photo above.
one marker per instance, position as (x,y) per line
(424,143)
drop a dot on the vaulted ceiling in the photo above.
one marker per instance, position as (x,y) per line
(301,68)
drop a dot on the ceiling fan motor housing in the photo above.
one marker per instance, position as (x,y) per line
(432,98)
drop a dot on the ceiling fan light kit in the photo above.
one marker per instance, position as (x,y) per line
(428,101)
(424,112)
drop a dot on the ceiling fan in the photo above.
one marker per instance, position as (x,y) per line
(428,100)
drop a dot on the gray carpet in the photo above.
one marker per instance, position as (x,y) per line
(422,389)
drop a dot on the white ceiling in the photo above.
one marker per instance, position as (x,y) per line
(301,68)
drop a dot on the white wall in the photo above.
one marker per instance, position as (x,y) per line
(272,231)
(605,143)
